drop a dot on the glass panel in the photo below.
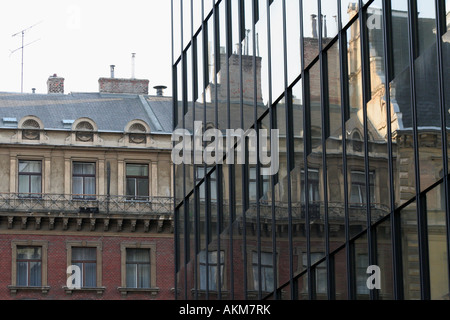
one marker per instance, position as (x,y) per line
(30,166)
(89,185)
(361,264)
(377,119)
(131,187)
(22,274)
(410,252)
(262,53)
(349,8)
(140,170)
(334,149)
(340,275)
(24,184)
(138,255)
(400,91)
(384,260)
(427,97)
(310,31)
(131,274)
(36,185)
(315,173)
(437,243)
(293,39)
(329,12)
(84,254)
(142,187)
(355,134)
(35,274)
(77,185)
(144,275)
(302,285)
(277,52)
(29,253)
(90,276)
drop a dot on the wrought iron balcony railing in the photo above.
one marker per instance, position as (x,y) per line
(97,204)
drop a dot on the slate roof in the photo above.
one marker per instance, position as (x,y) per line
(111,112)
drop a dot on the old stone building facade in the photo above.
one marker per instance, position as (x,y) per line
(85,181)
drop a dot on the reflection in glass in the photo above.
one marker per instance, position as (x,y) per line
(361,262)
(410,252)
(384,260)
(437,243)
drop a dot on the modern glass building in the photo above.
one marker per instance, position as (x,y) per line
(359,92)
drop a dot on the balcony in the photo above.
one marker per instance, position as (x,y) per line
(97,204)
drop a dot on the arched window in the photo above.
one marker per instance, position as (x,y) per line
(84,132)
(137,133)
(30,130)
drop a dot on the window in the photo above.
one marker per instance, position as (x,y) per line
(266,271)
(362,262)
(320,271)
(86,260)
(29,266)
(30,179)
(213,183)
(211,265)
(313,185)
(83,180)
(358,191)
(137,182)
(252,185)
(138,268)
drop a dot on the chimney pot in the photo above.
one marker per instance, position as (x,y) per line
(112,71)
(160,90)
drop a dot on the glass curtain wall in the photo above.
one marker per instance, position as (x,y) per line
(353,97)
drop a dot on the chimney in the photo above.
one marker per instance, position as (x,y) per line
(33,90)
(314,26)
(55,84)
(160,90)
(133,65)
(112,70)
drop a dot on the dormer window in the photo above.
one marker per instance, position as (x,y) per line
(84,132)
(30,130)
(138,134)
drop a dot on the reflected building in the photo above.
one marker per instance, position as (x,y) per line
(360,101)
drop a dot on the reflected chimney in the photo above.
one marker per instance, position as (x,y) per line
(314,25)
(160,90)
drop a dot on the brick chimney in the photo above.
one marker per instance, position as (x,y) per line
(117,85)
(55,84)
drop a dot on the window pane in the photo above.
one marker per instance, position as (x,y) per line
(77,185)
(24,184)
(142,187)
(137,170)
(90,277)
(89,187)
(77,168)
(89,168)
(131,187)
(29,253)
(35,274)
(138,255)
(131,270)
(84,254)
(30,166)
(144,275)
(36,185)
(22,273)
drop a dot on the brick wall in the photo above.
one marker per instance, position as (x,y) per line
(111,267)
(129,86)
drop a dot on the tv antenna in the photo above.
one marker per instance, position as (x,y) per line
(22,32)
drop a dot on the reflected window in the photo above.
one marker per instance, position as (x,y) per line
(265,180)
(213,184)
(358,191)
(211,268)
(320,271)
(266,271)
(313,186)
(362,263)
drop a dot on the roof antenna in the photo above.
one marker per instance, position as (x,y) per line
(22,48)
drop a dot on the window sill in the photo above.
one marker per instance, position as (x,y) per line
(126,290)
(14,289)
(98,290)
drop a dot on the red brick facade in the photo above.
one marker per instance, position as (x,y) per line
(110,266)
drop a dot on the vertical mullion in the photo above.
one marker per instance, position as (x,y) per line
(441,28)
(366,98)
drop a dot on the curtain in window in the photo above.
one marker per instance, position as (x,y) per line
(29,270)
(86,260)
(138,268)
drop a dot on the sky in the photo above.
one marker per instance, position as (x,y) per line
(79,40)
